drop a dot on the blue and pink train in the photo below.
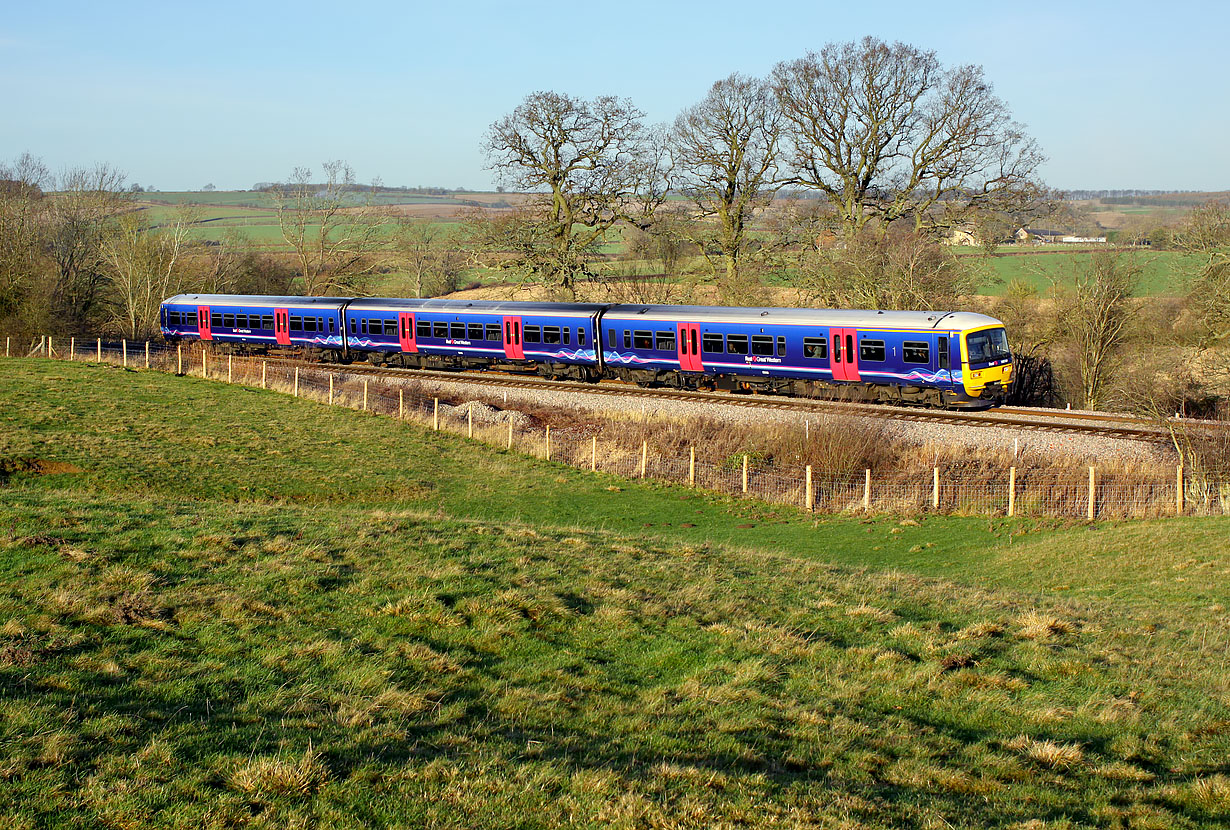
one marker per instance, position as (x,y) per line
(951,359)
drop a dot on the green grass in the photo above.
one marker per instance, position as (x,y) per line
(1163,272)
(224,607)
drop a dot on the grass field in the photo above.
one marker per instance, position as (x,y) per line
(225,607)
(1162,272)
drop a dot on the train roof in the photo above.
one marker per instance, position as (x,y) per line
(253,299)
(839,317)
(488,306)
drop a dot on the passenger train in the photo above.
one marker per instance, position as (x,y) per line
(953,359)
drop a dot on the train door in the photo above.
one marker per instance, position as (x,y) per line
(843,355)
(689,348)
(405,332)
(202,323)
(281,326)
(513,348)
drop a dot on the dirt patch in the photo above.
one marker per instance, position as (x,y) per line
(37,466)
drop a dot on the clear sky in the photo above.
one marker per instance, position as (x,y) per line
(1119,94)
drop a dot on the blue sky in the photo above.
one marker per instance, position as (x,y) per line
(1119,94)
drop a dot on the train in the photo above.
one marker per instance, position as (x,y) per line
(952,359)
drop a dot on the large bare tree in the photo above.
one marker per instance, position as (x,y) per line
(83,213)
(429,255)
(887,133)
(332,230)
(145,264)
(592,164)
(23,220)
(726,153)
(1097,316)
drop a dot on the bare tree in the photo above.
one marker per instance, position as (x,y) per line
(1097,315)
(430,257)
(887,133)
(591,163)
(1207,232)
(332,231)
(726,151)
(82,214)
(23,225)
(145,265)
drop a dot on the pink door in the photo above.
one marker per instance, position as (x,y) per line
(405,332)
(202,322)
(689,348)
(843,355)
(281,325)
(512,339)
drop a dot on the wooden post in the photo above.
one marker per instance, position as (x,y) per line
(330,389)
(179,360)
(644,458)
(1178,490)
(296,381)
(6,346)
(204,363)
(510,428)
(72,348)
(548,443)
(99,350)
(935,488)
(146,354)
(364,394)
(593,454)
(745,473)
(401,404)
(435,417)
(691,466)
(470,421)
(811,494)
(1093,503)
(50,351)
(867,490)
(230,368)
(1012,491)
(124,351)
(264,368)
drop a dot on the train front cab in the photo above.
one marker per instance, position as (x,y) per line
(986,368)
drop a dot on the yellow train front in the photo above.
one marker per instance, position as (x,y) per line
(986,366)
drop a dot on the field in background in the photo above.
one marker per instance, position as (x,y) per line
(223,606)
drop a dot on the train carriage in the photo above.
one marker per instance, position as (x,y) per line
(255,321)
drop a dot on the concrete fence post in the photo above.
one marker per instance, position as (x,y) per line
(644,458)
(810,499)
(435,416)
(745,474)
(867,490)
(935,488)
(1178,490)
(1012,491)
(691,466)
(593,454)
(99,355)
(1093,499)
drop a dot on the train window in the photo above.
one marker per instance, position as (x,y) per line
(241,321)
(457,331)
(422,328)
(363,326)
(172,318)
(390,328)
(517,332)
(550,334)
(474,331)
(712,343)
(354,326)
(228,320)
(762,344)
(642,340)
(580,336)
(627,339)
(781,346)
(816,347)
(533,334)
(332,325)
(914,351)
(492,331)
(567,336)
(311,324)
(296,323)
(665,340)
(439,330)
(610,339)
(872,350)
(942,349)
(267,322)
(736,344)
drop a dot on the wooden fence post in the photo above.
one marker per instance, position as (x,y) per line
(745,473)
(330,389)
(401,404)
(867,490)
(364,394)
(264,369)
(935,488)
(146,354)
(1178,490)
(691,466)
(810,500)
(1093,503)
(204,362)
(644,458)
(50,352)
(435,417)
(510,430)
(548,443)
(296,381)
(230,368)
(179,360)
(6,346)
(593,454)
(99,350)
(124,351)
(72,348)
(470,420)
(1012,491)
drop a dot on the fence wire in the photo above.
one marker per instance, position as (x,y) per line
(971,490)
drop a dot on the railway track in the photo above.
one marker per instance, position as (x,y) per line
(1060,421)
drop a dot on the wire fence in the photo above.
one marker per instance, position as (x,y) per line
(1109,493)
